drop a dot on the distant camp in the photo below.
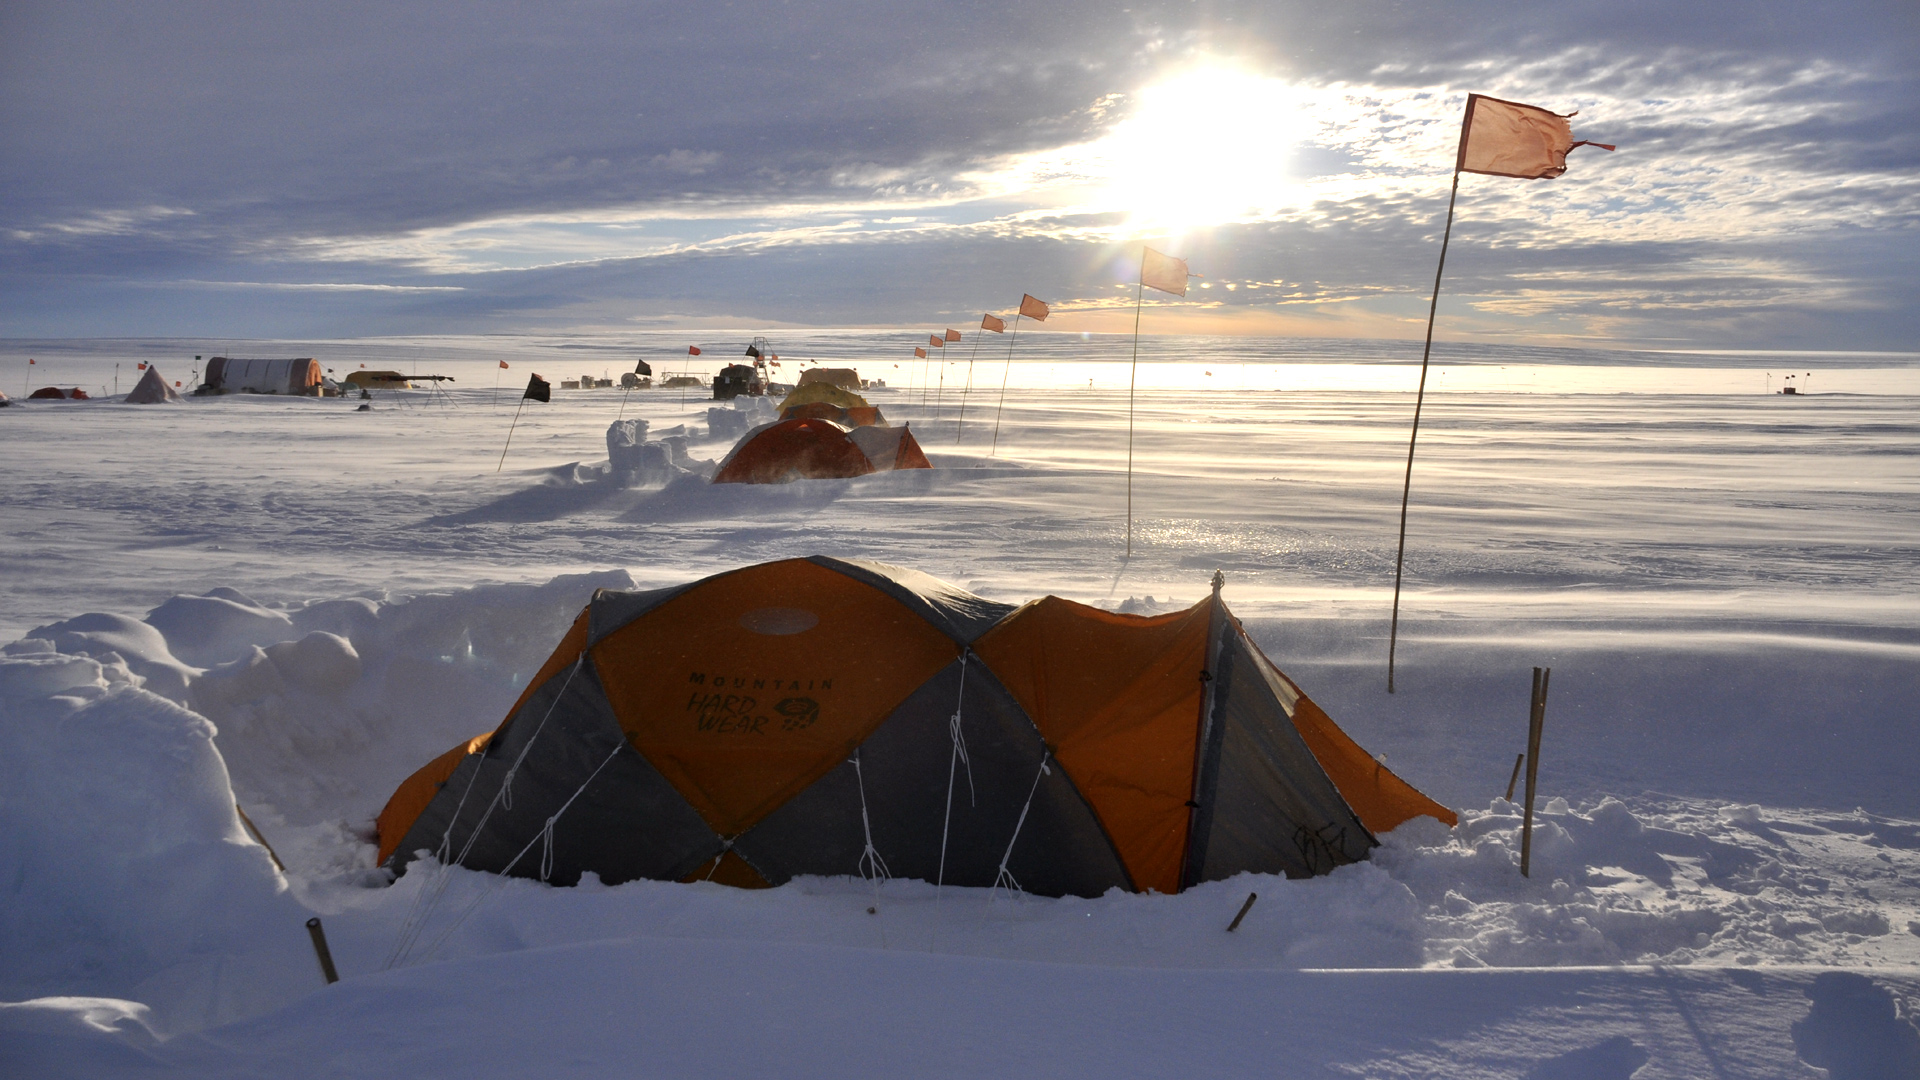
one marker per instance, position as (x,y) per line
(811,448)
(829,717)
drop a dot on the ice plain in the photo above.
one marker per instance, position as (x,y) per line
(291,604)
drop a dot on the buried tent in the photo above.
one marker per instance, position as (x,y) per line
(810,448)
(825,717)
(829,402)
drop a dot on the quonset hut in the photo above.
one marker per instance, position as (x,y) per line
(227,375)
(827,717)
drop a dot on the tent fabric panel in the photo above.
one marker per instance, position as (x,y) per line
(728,869)
(612,609)
(1382,799)
(904,767)
(1271,806)
(823,392)
(749,686)
(1118,697)
(627,823)
(959,614)
(415,792)
(572,644)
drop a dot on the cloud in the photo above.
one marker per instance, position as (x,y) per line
(538,161)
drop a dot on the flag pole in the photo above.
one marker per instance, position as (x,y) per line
(1139,293)
(1406,488)
(510,427)
(940,391)
(968,389)
(1004,371)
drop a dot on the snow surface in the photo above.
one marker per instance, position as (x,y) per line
(291,604)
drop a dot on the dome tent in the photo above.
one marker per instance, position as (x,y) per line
(796,718)
(811,448)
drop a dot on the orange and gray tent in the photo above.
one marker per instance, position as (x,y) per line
(828,717)
(826,401)
(810,448)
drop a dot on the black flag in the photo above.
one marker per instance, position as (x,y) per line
(753,351)
(538,389)
(641,368)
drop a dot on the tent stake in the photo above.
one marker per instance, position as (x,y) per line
(320,950)
(1515,778)
(1244,908)
(1536,718)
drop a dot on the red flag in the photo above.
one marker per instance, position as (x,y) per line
(1506,138)
(33,361)
(953,335)
(993,323)
(1033,309)
(693,350)
(919,352)
(935,341)
(503,365)
(140,367)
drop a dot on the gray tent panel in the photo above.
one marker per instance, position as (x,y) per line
(959,613)
(1061,847)
(627,823)
(1265,803)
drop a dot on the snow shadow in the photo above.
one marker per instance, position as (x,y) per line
(1855,1031)
(565,491)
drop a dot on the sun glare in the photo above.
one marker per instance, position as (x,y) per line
(1205,147)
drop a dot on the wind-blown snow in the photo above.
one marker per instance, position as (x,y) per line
(290,605)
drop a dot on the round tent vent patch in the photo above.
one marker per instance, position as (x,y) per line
(779,621)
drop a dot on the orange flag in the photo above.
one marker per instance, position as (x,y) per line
(1163,272)
(953,335)
(919,352)
(1033,309)
(993,323)
(936,341)
(503,365)
(1506,138)
(693,350)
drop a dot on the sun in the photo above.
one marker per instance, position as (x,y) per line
(1205,147)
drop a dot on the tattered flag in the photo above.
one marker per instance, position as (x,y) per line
(993,323)
(538,389)
(1033,309)
(641,367)
(1163,272)
(1506,138)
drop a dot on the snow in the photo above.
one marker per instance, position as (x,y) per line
(290,605)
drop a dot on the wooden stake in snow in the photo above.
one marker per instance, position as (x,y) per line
(254,830)
(320,950)
(1536,718)
(1518,759)
(1244,908)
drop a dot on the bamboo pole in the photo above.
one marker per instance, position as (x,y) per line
(320,950)
(1420,397)
(1515,778)
(1244,908)
(1139,294)
(510,427)
(1536,719)
(1004,372)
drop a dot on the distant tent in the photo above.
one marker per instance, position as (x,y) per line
(821,717)
(54,393)
(809,448)
(151,389)
(825,401)
(845,378)
(378,380)
(226,375)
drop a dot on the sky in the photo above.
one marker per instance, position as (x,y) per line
(353,170)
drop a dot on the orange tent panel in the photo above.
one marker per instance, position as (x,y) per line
(744,690)
(416,791)
(1118,697)
(1380,799)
